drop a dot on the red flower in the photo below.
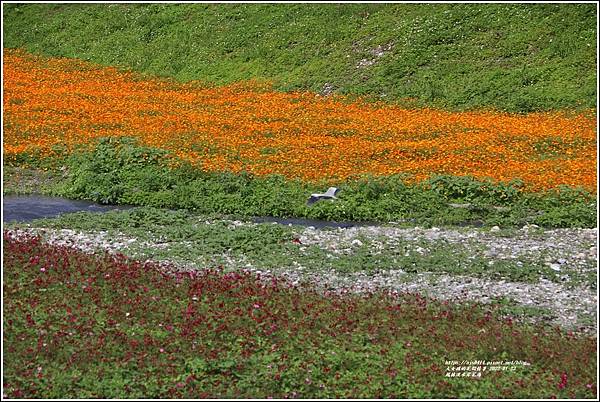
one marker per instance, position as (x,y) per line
(563,381)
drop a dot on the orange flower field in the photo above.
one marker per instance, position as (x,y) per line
(247,126)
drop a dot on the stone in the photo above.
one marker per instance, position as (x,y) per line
(495,229)
(453,205)
(555,267)
(327,89)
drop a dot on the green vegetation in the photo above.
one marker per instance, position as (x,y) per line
(90,326)
(22,181)
(118,171)
(508,307)
(513,57)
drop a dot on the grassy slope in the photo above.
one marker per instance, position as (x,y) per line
(514,57)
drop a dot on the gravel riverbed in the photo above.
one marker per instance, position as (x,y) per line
(567,252)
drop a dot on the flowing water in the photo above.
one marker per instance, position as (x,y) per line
(30,207)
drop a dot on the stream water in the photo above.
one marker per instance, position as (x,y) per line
(30,207)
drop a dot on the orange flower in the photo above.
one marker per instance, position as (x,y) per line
(51,102)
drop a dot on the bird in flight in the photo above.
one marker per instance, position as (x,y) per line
(329,195)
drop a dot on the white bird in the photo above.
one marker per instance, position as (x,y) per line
(329,194)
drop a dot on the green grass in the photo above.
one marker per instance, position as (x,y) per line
(513,57)
(100,326)
(506,306)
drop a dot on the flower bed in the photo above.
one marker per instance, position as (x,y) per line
(54,105)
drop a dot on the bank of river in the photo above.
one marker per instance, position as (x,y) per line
(541,275)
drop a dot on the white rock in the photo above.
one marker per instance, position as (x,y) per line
(495,229)
(555,267)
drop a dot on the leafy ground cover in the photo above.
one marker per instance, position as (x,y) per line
(532,275)
(120,171)
(105,326)
(513,57)
(129,174)
(55,105)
